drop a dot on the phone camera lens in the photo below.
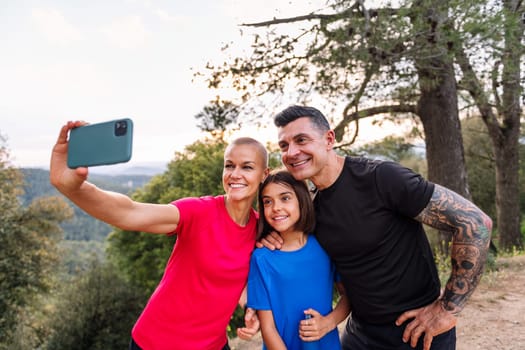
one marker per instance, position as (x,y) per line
(121,128)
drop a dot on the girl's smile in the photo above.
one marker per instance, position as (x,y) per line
(281,207)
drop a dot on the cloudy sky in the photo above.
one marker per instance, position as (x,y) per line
(104,59)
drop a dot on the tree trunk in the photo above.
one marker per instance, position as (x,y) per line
(502,118)
(507,194)
(438,110)
(506,137)
(438,107)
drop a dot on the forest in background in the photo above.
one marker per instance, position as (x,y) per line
(84,236)
(81,227)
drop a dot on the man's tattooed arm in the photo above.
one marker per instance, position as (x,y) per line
(471,230)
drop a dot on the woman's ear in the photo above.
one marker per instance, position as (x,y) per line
(265,174)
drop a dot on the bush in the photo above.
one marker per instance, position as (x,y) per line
(96,311)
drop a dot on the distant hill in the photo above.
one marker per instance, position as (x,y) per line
(82,227)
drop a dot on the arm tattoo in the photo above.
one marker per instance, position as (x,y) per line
(471,230)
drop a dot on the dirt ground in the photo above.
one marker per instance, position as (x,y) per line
(494,318)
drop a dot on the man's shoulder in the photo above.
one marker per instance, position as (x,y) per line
(371,165)
(363,165)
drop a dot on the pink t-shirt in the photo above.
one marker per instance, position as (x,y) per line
(205,275)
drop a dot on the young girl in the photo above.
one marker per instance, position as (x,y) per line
(286,285)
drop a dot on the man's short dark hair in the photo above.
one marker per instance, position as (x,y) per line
(294,112)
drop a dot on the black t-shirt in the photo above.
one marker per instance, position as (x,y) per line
(365,223)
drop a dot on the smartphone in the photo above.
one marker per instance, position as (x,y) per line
(100,144)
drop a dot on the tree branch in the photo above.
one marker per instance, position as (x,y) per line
(309,17)
(369,73)
(495,84)
(327,17)
(473,86)
(366,14)
(347,119)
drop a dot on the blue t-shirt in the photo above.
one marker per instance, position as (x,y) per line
(287,283)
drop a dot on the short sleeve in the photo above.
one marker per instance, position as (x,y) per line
(403,190)
(258,294)
(190,211)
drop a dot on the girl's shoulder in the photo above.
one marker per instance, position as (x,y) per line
(261,253)
(312,240)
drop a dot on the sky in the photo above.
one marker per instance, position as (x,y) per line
(100,60)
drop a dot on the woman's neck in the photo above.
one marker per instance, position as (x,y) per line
(238,211)
(293,240)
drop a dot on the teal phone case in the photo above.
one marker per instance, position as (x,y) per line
(100,144)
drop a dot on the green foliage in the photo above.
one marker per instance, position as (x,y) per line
(236,321)
(81,226)
(28,237)
(76,256)
(397,149)
(140,256)
(197,171)
(36,184)
(95,311)
(479,158)
(345,52)
(392,148)
(217,116)
(32,326)
(522,229)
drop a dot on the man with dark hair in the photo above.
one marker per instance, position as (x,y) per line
(370,217)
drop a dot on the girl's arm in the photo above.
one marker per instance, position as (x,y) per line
(271,337)
(318,326)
